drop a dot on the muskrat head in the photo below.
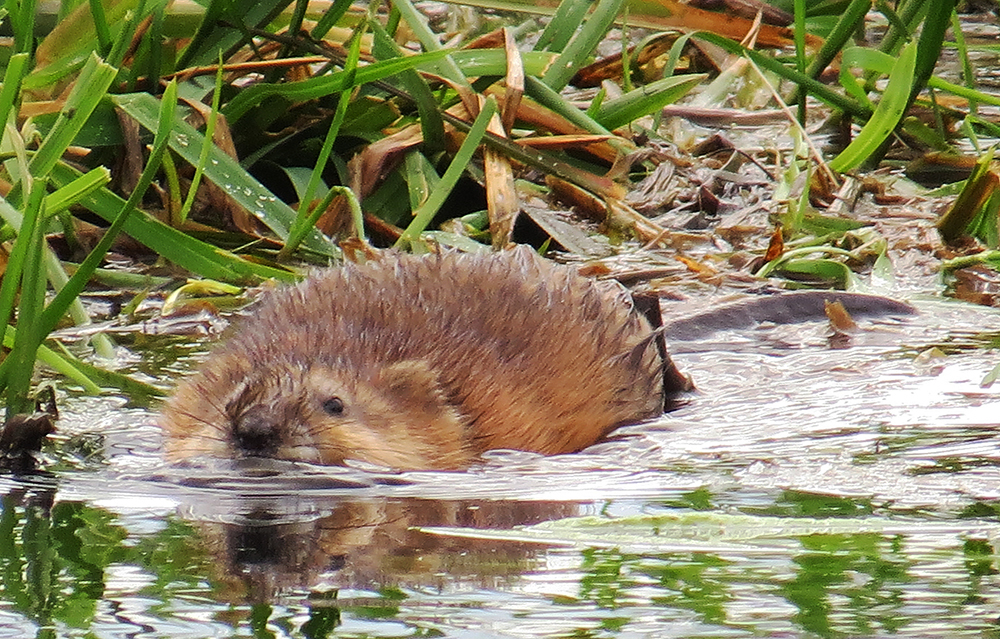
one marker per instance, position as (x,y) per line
(397,416)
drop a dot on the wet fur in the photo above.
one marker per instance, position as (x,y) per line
(436,358)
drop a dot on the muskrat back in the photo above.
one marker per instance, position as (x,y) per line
(424,362)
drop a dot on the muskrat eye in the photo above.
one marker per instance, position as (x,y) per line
(334,406)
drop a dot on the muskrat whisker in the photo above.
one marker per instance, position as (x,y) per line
(193,416)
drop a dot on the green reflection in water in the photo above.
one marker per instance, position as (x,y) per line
(57,559)
(851,570)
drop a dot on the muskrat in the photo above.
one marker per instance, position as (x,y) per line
(425,362)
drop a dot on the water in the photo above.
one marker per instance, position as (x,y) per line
(812,488)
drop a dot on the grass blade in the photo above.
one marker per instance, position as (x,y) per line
(74,286)
(431,125)
(32,296)
(646,100)
(981,185)
(181,249)
(888,112)
(575,55)
(223,171)
(560,29)
(16,67)
(330,18)
(842,33)
(423,215)
(324,85)
(445,66)
(812,86)
(61,199)
(90,89)
(551,99)
(207,144)
(100,26)
(209,40)
(929,47)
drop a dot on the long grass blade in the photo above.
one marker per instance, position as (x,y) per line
(13,75)
(65,197)
(552,100)
(32,296)
(431,124)
(564,23)
(646,100)
(445,66)
(330,18)
(812,86)
(888,112)
(845,28)
(101,26)
(90,89)
(207,144)
(307,215)
(181,249)
(584,42)
(15,260)
(929,47)
(74,286)
(324,85)
(423,216)
(209,40)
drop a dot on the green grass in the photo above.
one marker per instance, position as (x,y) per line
(314,125)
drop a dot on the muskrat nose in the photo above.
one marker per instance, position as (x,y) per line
(256,432)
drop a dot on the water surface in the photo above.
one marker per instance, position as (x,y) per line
(815,486)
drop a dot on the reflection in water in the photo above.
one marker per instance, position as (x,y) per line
(26,540)
(368,544)
(357,567)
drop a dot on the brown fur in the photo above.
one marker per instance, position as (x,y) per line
(432,359)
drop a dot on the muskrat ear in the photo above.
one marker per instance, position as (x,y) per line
(415,386)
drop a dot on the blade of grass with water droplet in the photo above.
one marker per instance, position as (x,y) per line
(223,171)
(182,249)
